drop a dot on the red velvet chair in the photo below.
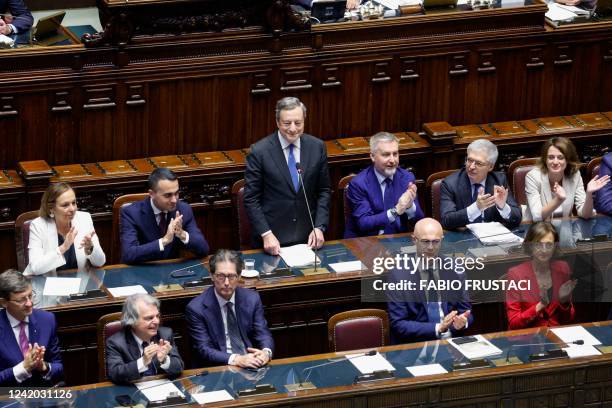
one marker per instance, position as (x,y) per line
(516,178)
(592,169)
(432,185)
(107,325)
(358,329)
(242,224)
(119,203)
(22,237)
(346,208)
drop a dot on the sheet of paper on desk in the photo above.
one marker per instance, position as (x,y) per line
(121,291)
(477,349)
(574,333)
(298,255)
(61,286)
(369,364)
(556,13)
(212,396)
(575,350)
(576,10)
(351,266)
(426,369)
(157,390)
(493,233)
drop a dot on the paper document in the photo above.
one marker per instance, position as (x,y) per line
(556,13)
(212,396)
(126,290)
(61,286)
(427,369)
(369,364)
(574,333)
(476,349)
(493,233)
(575,350)
(576,10)
(351,266)
(298,255)
(157,390)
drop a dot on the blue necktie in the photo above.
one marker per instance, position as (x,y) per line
(234,332)
(292,169)
(433,310)
(389,203)
(475,197)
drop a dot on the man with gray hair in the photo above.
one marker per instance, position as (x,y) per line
(142,347)
(382,197)
(476,193)
(30,354)
(274,196)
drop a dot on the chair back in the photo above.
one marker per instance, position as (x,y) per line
(107,325)
(432,185)
(242,223)
(593,169)
(119,203)
(342,191)
(516,175)
(358,329)
(22,237)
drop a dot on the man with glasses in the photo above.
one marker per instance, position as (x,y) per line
(160,225)
(422,315)
(30,354)
(476,193)
(226,322)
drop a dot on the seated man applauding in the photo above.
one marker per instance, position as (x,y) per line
(143,347)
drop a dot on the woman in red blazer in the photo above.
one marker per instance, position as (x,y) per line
(548,300)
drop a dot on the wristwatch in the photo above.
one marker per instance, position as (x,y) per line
(393,212)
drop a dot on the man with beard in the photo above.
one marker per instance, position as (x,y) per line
(383,197)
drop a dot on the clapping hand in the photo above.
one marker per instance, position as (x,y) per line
(501,195)
(597,183)
(559,192)
(163,350)
(68,240)
(178,226)
(484,201)
(566,290)
(87,243)
(406,199)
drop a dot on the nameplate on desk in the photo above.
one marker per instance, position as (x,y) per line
(548,355)
(471,364)
(91,294)
(167,288)
(375,376)
(205,281)
(604,349)
(277,273)
(501,362)
(261,389)
(170,401)
(314,271)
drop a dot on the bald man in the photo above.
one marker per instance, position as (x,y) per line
(427,315)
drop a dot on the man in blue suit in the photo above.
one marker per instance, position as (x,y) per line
(476,193)
(29,349)
(427,315)
(226,322)
(383,197)
(20,19)
(159,226)
(603,198)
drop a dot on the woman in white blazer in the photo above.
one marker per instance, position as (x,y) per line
(62,237)
(555,186)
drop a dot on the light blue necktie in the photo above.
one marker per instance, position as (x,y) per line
(433,310)
(292,169)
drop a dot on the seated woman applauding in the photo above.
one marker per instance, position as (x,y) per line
(555,186)
(62,237)
(548,301)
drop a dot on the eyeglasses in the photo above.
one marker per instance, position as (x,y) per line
(476,163)
(219,277)
(544,245)
(23,300)
(430,241)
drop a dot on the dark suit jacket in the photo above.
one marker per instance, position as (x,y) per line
(368,214)
(42,331)
(408,310)
(205,322)
(140,234)
(23,19)
(521,305)
(304,3)
(122,353)
(270,199)
(603,198)
(456,196)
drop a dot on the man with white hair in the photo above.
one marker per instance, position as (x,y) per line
(382,197)
(476,193)
(143,347)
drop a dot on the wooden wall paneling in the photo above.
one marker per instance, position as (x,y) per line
(98,134)
(586,91)
(357,101)
(11,141)
(408,93)
(197,122)
(511,80)
(262,104)
(384,81)
(483,94)
(605,85)
(461,75)
(62,125)
(535,94)
(565,79)
(167,102)
(330,96)
(135,128)
(435,88)
(233,101)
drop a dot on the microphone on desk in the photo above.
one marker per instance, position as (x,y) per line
(557,353)
(299,169)
(170,399)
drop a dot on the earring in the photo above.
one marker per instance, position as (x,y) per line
(52,215)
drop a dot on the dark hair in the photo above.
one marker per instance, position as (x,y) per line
(159,174)
(567,148)
(226,255)
(12,281)
(50,196)
(536,232)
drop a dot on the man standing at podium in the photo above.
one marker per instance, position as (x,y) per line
(283,169)
(432,314)
(160,225)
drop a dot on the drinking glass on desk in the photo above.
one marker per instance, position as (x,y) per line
(249,265)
